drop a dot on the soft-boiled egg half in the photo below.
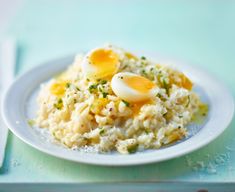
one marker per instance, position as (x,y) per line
(132,88)
(101,63)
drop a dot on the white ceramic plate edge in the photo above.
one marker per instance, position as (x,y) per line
(149,159)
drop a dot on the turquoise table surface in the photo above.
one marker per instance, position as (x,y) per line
(201,32)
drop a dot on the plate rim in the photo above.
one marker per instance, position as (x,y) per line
(10,124)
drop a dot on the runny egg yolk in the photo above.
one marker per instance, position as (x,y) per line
(139,83)
(132,88)
(58,88)
(137,106)
(184,81)
(105,62)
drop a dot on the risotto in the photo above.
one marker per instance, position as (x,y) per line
(112,100)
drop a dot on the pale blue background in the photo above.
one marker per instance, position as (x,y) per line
(202,32)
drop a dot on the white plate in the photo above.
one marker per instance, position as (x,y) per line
(20,105)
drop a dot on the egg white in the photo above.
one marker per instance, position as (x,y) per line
(90,70)
(127,93)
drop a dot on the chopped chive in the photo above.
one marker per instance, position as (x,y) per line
(143,58)
(92,88)
(103,82)
(31,122)
(104,94)
(102,131)
(159,95)
(165,85)
(59,104)
(144,72)
(124,67)
(164,115)
(188,101)
(147,131)
(126,103)
(132,149)
(100,90)
(67,85)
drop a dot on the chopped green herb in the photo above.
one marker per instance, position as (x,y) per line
(143,58)
(180,116)
(144,63)
(124,67)
(159,95)
(78,89)
(165,85)
(31,122)
(103,82)
(163,81)
(59,104)
(100,89)
(104,94)
(102,131)
(88,79)
(144,72)
(68,85)
(126,103)
(132,149)
(147,131)
(188,101)
(92,88)
(164,115)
